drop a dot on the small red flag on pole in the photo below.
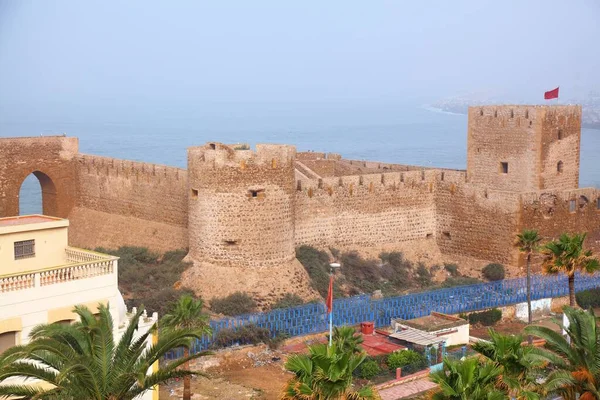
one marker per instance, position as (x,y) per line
(330,296)
(552,94)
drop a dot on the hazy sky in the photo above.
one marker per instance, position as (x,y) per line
(149,57)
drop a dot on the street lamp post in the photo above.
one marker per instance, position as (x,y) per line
(332,267)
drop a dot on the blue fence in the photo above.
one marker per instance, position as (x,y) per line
(312,318)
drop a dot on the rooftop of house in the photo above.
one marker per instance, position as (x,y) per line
(32,222)
(434,322)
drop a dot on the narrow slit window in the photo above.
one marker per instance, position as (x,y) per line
(446,235)
(598,203)
(504,167)
(257,192)
(230,242)
(559,167)
(572,206)
(560,134)
(194,193)
(24,249)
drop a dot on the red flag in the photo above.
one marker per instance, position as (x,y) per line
(330,295)
(552,94)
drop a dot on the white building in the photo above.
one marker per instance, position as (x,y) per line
(42,279)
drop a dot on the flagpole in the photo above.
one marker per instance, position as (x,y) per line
(332,266)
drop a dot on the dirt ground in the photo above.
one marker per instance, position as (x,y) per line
(249,372)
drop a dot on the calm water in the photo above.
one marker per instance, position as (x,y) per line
(412,136)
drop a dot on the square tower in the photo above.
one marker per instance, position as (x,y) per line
(524,148)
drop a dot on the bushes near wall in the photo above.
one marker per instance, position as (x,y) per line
(316,263)
(247,334)
(452,269)
(235,304)
(369,369)
(588,298)
(409,360)
(288,300)
(423,276)
(487,317)
(150,279)
(459,281)
(493,272)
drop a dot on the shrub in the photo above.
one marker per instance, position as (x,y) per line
(368,369)
(396,270)
(588,298)
(423,276)
(288,300)
(452,269)
(363,274)
(404,358)
(493,272)
(459,281)
(246,334)
(148,278)
(487,317)
(316,264)
(235,304)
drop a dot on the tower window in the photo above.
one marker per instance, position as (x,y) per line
(559,167)
(230,242)
(504,167)
(24,249)
(446,234)
(213,146)
(512,113)
(560,134)
(495,113)
(598,203)
(572,206)
(194,193)
(527,114)
(481,112)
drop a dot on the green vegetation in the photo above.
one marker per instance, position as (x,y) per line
(325,373)
(369,369)
(452,269)
(83,361)
(316,263)
(247,334)
(470,379)
(186,314)
(409,360)
(235,304)
(486,318)
(347,339)
(573,361)
(588,298)
(148,279)
(392,273)
(567,256)
(288,300)
(493,272)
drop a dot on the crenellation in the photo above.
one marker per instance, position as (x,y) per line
(236,209)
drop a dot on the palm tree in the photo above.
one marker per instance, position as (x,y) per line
(566,255)
(186,314)
(347,339)
(527,242)
(576,365)
(325,374)
(508,352)
(471,379)
(83,361)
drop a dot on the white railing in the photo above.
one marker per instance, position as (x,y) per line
(96,265)
(75,255)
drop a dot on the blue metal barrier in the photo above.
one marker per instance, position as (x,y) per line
(312,318)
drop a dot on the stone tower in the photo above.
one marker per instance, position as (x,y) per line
(524,148)
(241,205)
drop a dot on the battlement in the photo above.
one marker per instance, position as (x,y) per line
(491,113)
(130,169)
(218,155)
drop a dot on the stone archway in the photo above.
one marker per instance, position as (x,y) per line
(49,193)
(51,159)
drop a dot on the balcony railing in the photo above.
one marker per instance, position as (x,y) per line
(81,264)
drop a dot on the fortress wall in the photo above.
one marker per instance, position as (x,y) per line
(561,137)
(365,210)
(476,222)
(129,203)
(563,211)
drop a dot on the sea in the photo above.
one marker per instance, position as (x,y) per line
(417,135)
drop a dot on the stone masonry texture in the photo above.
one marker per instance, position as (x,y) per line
(246,211)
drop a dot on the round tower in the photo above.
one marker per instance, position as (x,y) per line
(241,204)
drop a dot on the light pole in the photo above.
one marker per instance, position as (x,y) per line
(332,267)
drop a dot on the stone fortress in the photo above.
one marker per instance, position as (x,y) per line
(242,213)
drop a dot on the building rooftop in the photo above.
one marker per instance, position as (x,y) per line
(26,219)
(433,322)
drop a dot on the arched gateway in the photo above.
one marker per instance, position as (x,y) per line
(50,159)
